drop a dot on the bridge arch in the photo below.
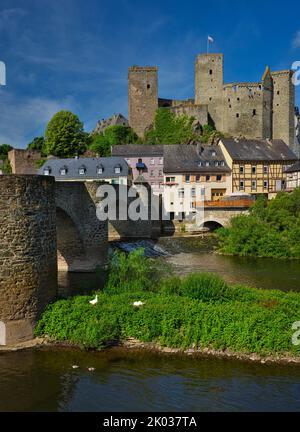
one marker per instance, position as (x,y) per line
(213,225)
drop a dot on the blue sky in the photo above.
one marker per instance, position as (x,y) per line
(74,54)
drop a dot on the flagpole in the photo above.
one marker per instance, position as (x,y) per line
(207,44)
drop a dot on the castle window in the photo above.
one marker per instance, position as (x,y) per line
(266,184)
(253,185)
(237,99)
(241,169)
(253,169)
(210,98)
(242,185)
(210,71)
(254,112)
(229,106)
(278,92)
(148,86)
(237,115)
(228,99)
(266,169)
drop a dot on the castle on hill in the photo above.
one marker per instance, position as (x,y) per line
(265,109)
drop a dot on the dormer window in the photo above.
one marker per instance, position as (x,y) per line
(82,170)
(100,169)
(213,153)
(207,163)
(216,163)
(63,171)
(222,163)
(117,169)
(47,171)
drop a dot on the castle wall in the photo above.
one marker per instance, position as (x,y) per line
(284,107)
(28,264)
(243,110)
(142,97)
(200,112)
(24,161)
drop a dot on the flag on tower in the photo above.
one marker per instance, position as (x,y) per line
(210,39)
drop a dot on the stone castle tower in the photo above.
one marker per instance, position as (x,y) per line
(264,109)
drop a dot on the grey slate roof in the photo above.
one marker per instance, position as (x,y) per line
(183,158)
(91,167)
(259,150)
(136,150)
(293,168)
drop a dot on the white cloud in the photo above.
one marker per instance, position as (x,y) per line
(23,119)
(296,40)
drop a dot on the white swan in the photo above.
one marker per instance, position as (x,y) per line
(138,303)
(95,301)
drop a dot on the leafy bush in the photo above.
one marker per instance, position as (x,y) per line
(206,287)
(272,229)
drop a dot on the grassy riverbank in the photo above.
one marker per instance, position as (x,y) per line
(199,311)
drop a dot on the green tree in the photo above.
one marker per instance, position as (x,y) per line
(170,129)
(4,149)
(64,135)
(113,135)
(38,143)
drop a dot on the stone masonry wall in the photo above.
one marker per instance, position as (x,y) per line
(24,161)
(28,264)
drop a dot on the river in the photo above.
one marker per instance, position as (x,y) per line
(126,380)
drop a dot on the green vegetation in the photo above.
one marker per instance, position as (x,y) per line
(64,135)
(200,310)
(6,167)
(38,143)
(169,129)
(272,229)
(113,135)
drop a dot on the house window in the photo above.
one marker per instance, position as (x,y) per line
(242,169)
(266,184)
(266,169)
(187,178)
(160,173)
(193,193)
(253,184)
(152,162)
(181,193)
(216,163)
(100,169)
(197,178)
(207,178)
(161,161)
(63,171)
(47,171)
(253,169)
(151,173)
(81,171)
(222,163)
(170,179)
(219,178)
(242,185)
(207,164)
(117,170)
